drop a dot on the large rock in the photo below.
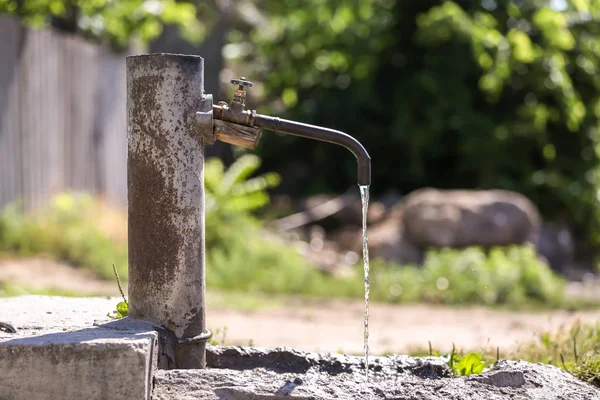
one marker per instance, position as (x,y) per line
(258,374)
(557,246)
(385,241)
(461,218)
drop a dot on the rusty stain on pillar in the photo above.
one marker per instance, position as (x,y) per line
(165,183)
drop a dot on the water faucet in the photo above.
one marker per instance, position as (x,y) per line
(236,125)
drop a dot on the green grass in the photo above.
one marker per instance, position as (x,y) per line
(242,257)
(574,348)
(8,289)
(587,369)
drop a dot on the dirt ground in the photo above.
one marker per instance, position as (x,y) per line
(333,325)
(337,326)
(42,274)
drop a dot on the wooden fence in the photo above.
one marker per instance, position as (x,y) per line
(62,116)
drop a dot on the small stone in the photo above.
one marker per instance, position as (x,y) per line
(513,379)
(298,381)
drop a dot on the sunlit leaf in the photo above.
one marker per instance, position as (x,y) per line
(522,47)
(470,364)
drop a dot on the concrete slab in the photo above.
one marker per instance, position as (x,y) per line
(67,348)
(249,373)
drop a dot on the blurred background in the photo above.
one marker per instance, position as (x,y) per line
(482,119)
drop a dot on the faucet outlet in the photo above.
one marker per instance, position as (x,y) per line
(236,125)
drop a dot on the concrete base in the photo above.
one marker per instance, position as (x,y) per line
(67,348)
(247,373)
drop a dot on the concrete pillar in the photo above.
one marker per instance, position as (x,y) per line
(165,184)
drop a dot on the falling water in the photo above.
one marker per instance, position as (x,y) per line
(364,195)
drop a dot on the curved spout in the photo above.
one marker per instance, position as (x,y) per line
(324,135)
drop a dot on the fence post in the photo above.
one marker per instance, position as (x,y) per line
(165,185)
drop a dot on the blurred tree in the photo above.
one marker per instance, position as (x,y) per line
(314,58)
(451,94)
(114,21)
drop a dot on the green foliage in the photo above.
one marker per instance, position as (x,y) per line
(331,43)
(233,192)
(453,86)
(116,22)
(512,276)
(538,64)
(461,364)
(576,349)
(567,343)
(242,256)
(67,230)
(469,364)
(587,368)
(121,311)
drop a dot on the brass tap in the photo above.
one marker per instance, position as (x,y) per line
(239,97)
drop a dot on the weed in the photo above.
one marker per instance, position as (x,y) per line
(458,363)
(122,307)
(587,368)
(575,349)
(219,337)
(469,364)
(585,345)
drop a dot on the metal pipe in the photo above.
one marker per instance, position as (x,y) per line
(324,135)
(165,186)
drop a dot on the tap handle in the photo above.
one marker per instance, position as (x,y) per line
(242,82)
(239,97)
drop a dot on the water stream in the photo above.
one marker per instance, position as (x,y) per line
(364,195)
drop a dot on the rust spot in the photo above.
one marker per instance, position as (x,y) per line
(153,236)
